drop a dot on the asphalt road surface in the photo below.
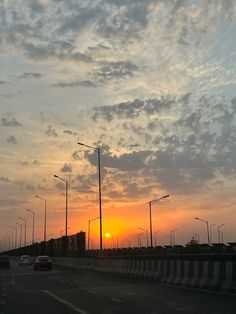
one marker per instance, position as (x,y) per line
(24,291)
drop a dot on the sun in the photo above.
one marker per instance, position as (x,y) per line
(107,235)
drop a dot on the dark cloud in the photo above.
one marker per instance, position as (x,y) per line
(69,132)
(4,179)
(7,202)
(115,71)
(126,162)
(189,150)
(12,140)
(29,163)
(12,122)
(66,168)
(87,183)
(30,75)
(51,132)
(133,109)
(86,84)
(77,155)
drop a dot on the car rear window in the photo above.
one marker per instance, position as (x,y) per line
(43,258)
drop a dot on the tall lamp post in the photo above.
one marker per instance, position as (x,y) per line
(11,236)
(20,231)
(45,217)
(211,237)
(146,231)
(66,182)
(89,230)
(15,236)
(207,225)
(33,214)
(150,212)
(219,237)
(23,219)
(97,150)
(172,236)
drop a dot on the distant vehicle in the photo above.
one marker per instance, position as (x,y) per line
(42,262)
(25,260)
(4,261)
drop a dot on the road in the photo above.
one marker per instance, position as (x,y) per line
(24,291)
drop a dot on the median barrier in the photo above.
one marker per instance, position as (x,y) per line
(203,274)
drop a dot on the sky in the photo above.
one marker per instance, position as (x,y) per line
(149,82)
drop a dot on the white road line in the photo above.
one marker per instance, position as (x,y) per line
(70,305)
(117,300)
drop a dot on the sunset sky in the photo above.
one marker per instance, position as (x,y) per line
(150,82)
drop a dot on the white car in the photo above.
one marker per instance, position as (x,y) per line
(25,260)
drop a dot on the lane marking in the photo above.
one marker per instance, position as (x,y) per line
(70,305)
(117,300)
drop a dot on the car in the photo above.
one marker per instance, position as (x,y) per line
(42,262)
(4,261)
(25,260)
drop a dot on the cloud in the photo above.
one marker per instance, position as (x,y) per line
(86,183)
(11,202)
(69,132)
(185,143)
(4,179)
(2,82)
(115,71)
(66,168)
(125,162)
(51,132)
(12,122)
(86,84)
(12,140)
(29,163)
(76,155)
(133,109)
(30,75)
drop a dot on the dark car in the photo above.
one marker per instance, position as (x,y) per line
(4,261)
(42,262)
(25,260)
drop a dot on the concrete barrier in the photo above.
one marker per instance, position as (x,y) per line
(213,275)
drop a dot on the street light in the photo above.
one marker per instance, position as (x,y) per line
(97,150)
(145,230)
(89,229)
(64,180)
(219,226)
(33,214)
(172,236)
(208,233)
(25,228)
(11,239)
(20,231)
(15,236)
(45,216)
(150,212)
(211,226)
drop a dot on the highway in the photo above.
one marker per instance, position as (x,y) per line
(59,291)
